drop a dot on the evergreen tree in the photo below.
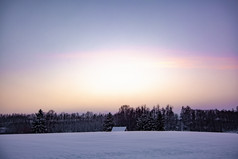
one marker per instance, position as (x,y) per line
(141,122)
(169,118)
(108,123)
(159,122)
(186,118)
(145,123)
(39,125)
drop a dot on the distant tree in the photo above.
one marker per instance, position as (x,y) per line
(169,118)
(145,123)
(108,123)
(126,117)
(39,125)
(50,120)
(186,118)
(159,122)
(142,122)
(156,114)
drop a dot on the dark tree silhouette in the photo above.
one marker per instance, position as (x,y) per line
(126,117)
(143,123)
(108,123)
(140,118)
(50,117)
(39,125)
(159,122)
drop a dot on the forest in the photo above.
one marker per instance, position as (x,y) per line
(141,118)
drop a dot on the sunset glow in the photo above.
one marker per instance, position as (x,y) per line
(76,57)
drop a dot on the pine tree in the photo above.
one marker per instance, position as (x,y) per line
(145,123)
(39,125)
(141,122)
(159,122)
(108,123)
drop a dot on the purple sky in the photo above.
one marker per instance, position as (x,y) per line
(98,55)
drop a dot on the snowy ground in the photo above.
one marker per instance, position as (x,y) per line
(123,145)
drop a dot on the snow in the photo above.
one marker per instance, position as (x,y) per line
(120,145)
(119,128)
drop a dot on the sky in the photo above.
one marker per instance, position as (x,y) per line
(76,56)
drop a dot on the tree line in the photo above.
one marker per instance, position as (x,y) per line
(141,118)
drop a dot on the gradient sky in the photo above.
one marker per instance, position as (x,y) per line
(98,55)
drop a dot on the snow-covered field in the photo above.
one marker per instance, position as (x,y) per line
(123,145)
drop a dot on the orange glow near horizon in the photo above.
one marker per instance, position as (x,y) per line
(102,81)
